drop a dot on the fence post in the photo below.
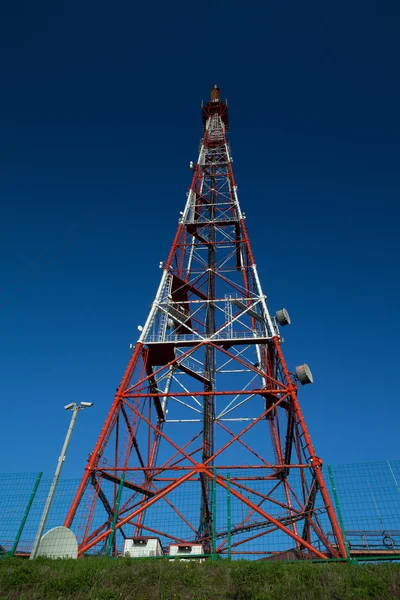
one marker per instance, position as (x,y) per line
(26,513)
(339,513)
(214,514)
(114,521)
(228,507)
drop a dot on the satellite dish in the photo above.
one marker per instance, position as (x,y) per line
(59,542)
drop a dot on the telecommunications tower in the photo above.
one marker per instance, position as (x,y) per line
(207,404)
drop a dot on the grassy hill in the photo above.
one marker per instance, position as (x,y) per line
(149,579)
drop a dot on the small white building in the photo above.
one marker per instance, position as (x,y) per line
(186,549)
(141,546)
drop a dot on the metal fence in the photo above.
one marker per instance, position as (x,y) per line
(368,502)
(366,497)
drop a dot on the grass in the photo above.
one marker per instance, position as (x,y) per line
(105,579)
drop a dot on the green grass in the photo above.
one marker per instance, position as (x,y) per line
(105,579)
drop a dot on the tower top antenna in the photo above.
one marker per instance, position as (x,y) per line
(215,106)
(215,94)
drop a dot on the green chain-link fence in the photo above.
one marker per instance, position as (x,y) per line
(22,499)
(366,497)
(368,500)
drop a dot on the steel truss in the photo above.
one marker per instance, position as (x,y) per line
(207,385)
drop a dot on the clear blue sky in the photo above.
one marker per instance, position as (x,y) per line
(99,118)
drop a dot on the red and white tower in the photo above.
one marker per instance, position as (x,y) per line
(207,387)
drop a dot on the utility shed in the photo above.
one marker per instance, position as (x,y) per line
(186,550)
(140,547)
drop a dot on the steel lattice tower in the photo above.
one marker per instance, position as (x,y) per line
(207,386)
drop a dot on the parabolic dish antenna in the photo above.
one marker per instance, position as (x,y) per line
(59,542)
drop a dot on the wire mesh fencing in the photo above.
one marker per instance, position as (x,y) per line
(366,498)
(17,492)
(368,501)
(22,500)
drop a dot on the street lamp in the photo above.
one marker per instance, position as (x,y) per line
(75,409)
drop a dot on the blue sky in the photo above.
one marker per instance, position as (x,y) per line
(100,116)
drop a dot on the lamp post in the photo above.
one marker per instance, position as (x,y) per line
(75,408)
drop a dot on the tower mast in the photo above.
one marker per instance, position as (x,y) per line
(207,387)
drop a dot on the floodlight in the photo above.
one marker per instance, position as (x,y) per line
(60,537)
